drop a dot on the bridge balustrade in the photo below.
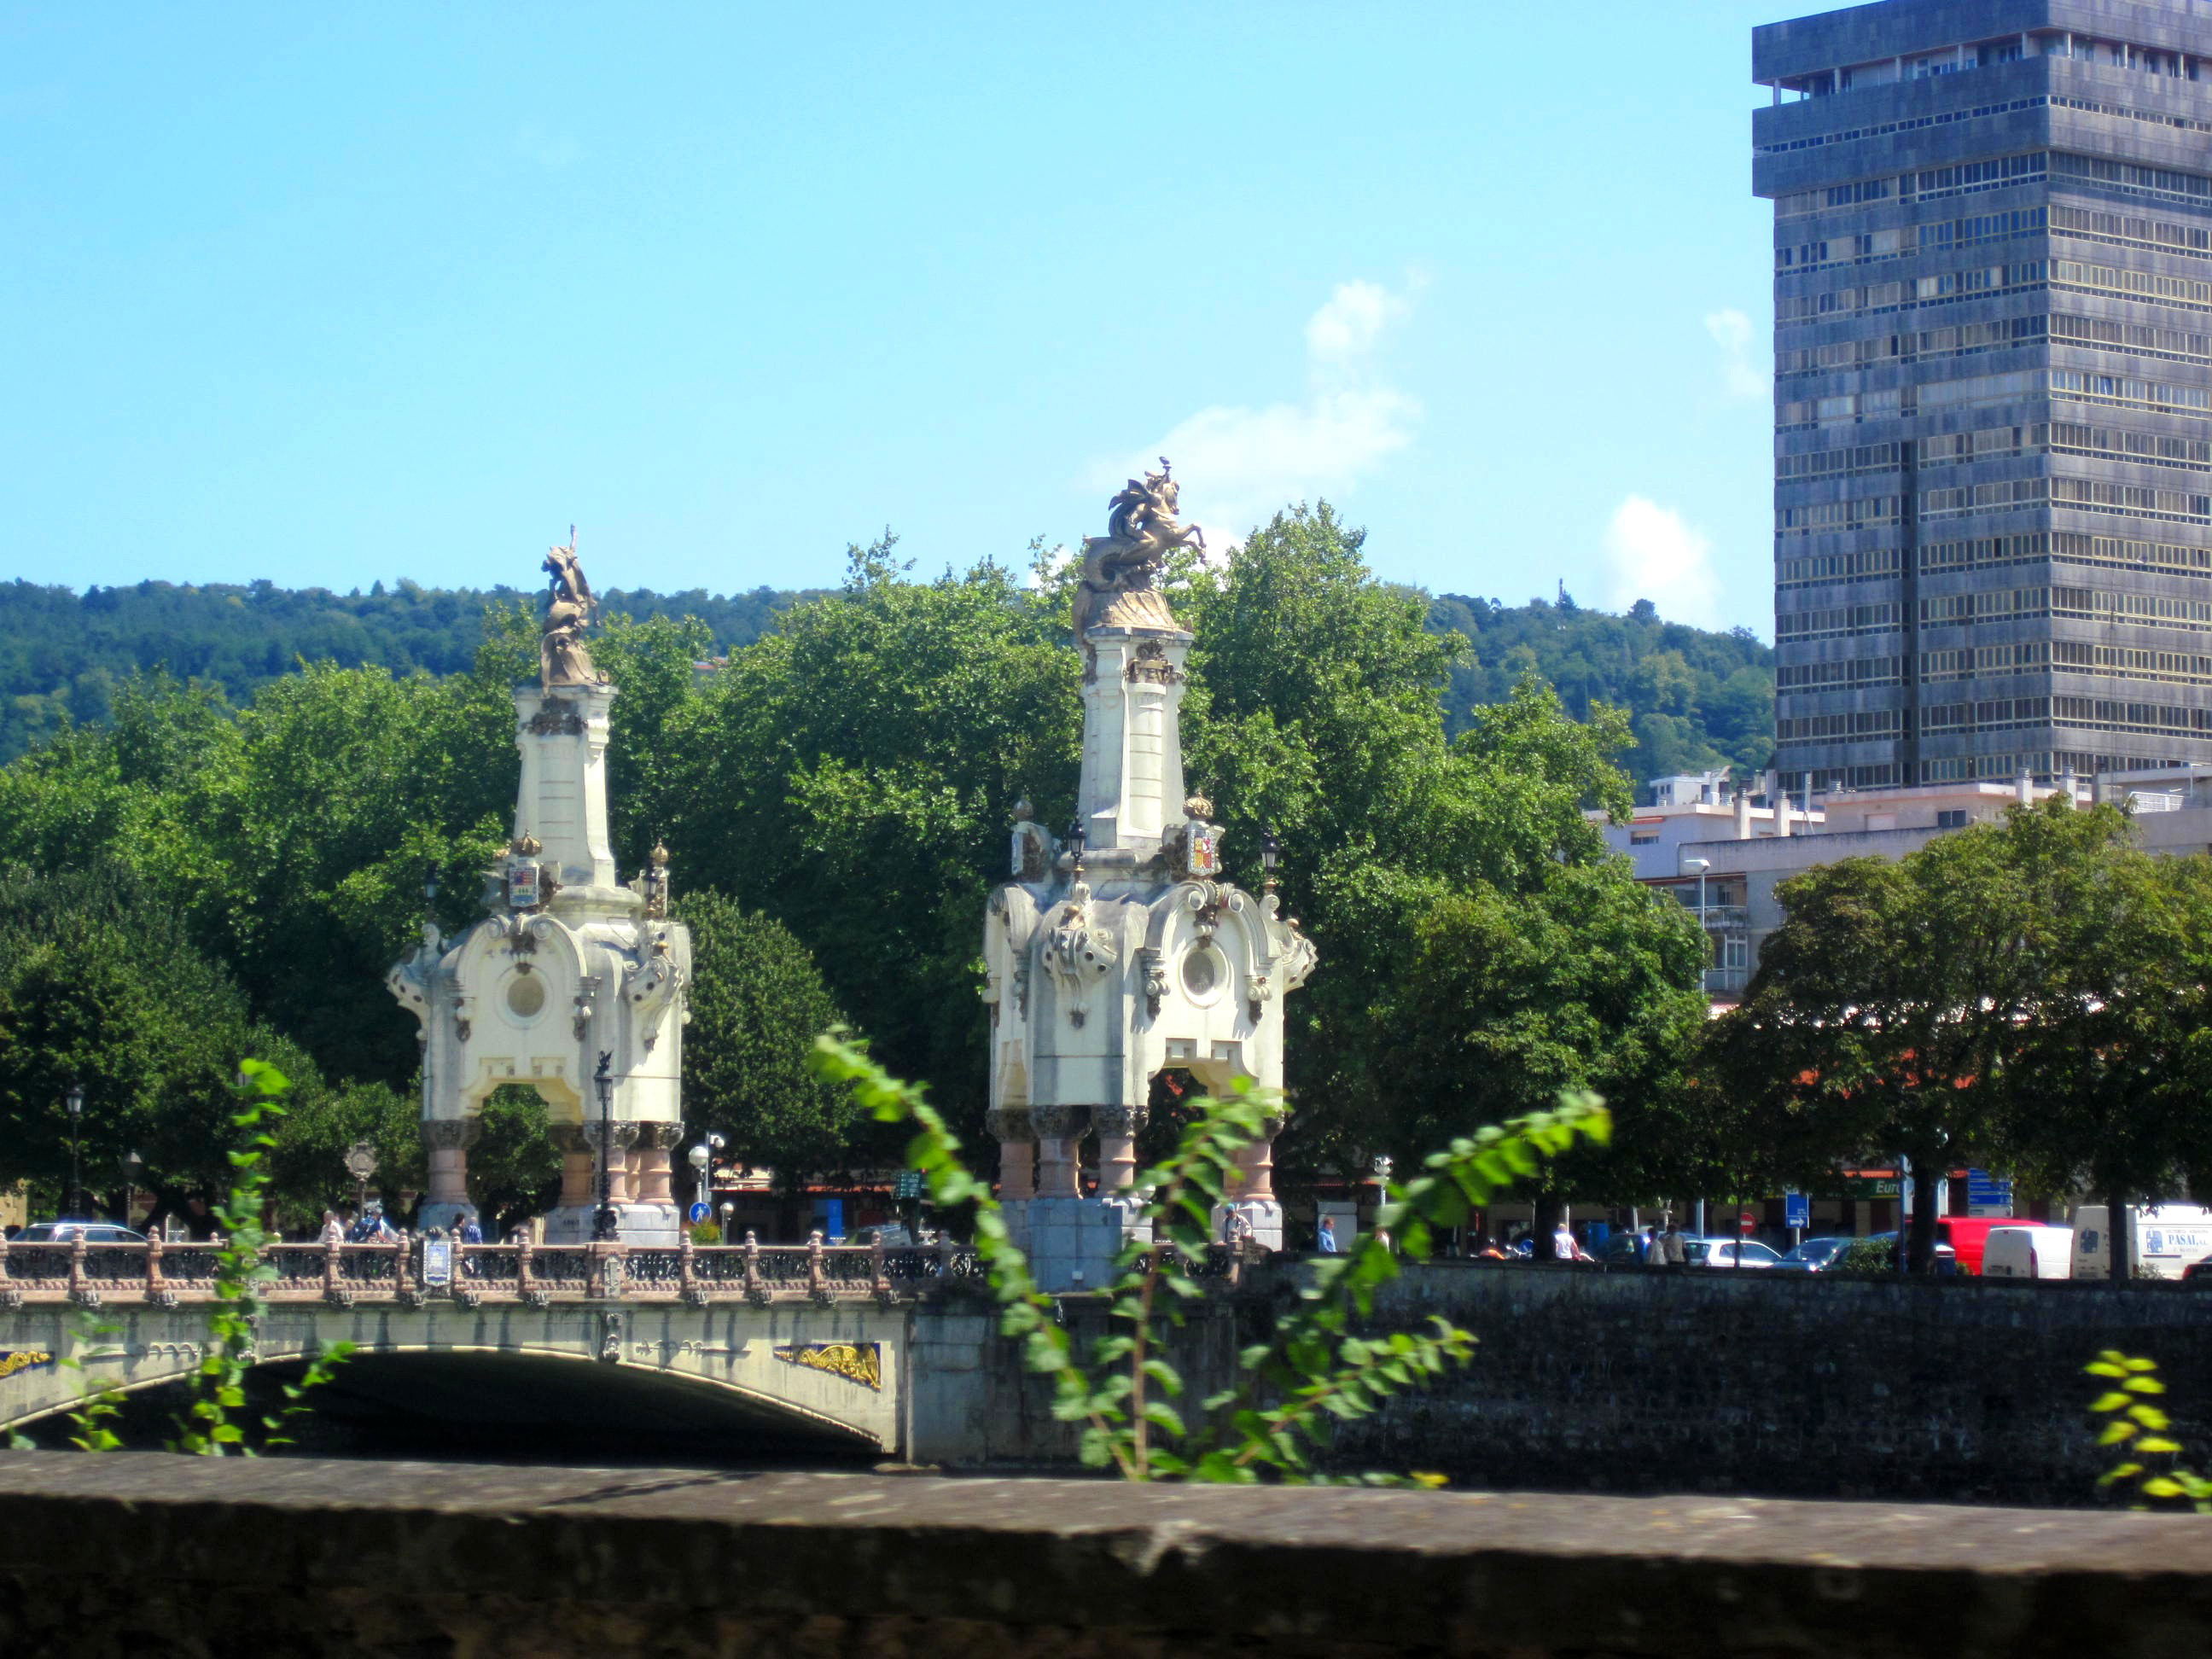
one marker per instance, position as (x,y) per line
(163,1275)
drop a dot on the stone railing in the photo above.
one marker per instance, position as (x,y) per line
(411,1271)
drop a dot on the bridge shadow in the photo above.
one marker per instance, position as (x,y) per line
(486,1408)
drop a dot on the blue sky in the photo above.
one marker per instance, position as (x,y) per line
(329,294)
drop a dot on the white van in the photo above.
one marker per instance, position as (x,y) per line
(2028,1251)
(2165,1239)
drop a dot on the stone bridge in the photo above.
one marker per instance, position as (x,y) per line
(814,1342)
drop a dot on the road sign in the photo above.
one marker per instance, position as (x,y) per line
(697,1211)
(1747,1221)
(1986,1194)
(908,1186)
(1797,1210)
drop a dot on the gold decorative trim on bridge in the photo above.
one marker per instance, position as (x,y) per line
(856,1362)
(22,1359)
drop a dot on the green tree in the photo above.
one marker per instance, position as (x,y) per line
(851,775)
(757,1005)
(2100,1077)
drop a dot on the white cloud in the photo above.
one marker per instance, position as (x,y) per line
(1652,552)
(1241,462)
(1731,331)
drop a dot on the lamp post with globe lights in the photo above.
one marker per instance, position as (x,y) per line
(702,1159)
(361,1164)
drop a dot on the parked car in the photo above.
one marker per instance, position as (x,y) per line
(2025,1250)
(1622,1250)
(1729,1253)
(67,1232)
(1815,1255)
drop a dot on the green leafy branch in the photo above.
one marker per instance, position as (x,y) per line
(212,1424)
(2132,1421)
(1312,1372)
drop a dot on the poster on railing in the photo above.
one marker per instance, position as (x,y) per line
(437,1262)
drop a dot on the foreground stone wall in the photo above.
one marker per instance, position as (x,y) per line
(142,1554)
(1964,1389)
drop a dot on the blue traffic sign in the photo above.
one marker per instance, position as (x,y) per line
(1797,1210)
(698,1212)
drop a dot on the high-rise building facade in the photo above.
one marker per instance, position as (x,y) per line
(1993,386)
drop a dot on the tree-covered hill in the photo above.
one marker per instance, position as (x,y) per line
(1697,699)
(62,653)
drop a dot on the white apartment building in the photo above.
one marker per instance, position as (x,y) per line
(1722,852)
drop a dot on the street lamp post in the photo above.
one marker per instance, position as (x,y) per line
(361,1164)
(75,1101)
(701,1158)
(1380,1166)
(728,1211)
(133,1167)
(1078,837)
(1271,859)
(605,1224)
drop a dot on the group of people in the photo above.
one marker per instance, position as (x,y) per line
(1658,1245)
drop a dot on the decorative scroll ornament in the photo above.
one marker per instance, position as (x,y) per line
(1075,954)
(856,1362)
(555,719)
(1299,957)
(1258,987)
(651,988)
(1156,979)
(1151,667)
(13,1360)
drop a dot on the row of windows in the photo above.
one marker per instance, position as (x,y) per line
(1994,442)
(1867,564)
(2065,547)
(2128,662)
(2135,284)
(1859,725)
(2141,339)
(1932,397)
(1959,340)
(1830,517)
(2132,179)
(2161,235)
(1987,714)
(1850,675)
(1981,662)
(2094,604)
(1812,201)
(1903,241)
(1838,620)
(2082,494)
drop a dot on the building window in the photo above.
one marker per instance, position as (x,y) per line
(1641,837)
(1952,818)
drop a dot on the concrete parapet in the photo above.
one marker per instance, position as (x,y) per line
(325,1558)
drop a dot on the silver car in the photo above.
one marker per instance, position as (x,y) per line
(1729,1253)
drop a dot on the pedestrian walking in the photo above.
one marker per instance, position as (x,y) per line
(471,1233)
(1326,1243)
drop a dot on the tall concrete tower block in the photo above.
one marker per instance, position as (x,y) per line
(1992,387)
(572,985)
(1115,952)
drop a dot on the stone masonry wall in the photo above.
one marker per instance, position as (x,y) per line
(145,1556)
(1965,1390)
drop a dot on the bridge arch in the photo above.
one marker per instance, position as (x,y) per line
(825,1380)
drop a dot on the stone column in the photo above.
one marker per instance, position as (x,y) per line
(1118,1127)
(1060,1132)
(576,1167)
(1010,1127)
(448,1140)
(620,1185)
(652,1163)
(1257,1163)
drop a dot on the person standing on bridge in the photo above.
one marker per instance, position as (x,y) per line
(334,1229)
(471,1233)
